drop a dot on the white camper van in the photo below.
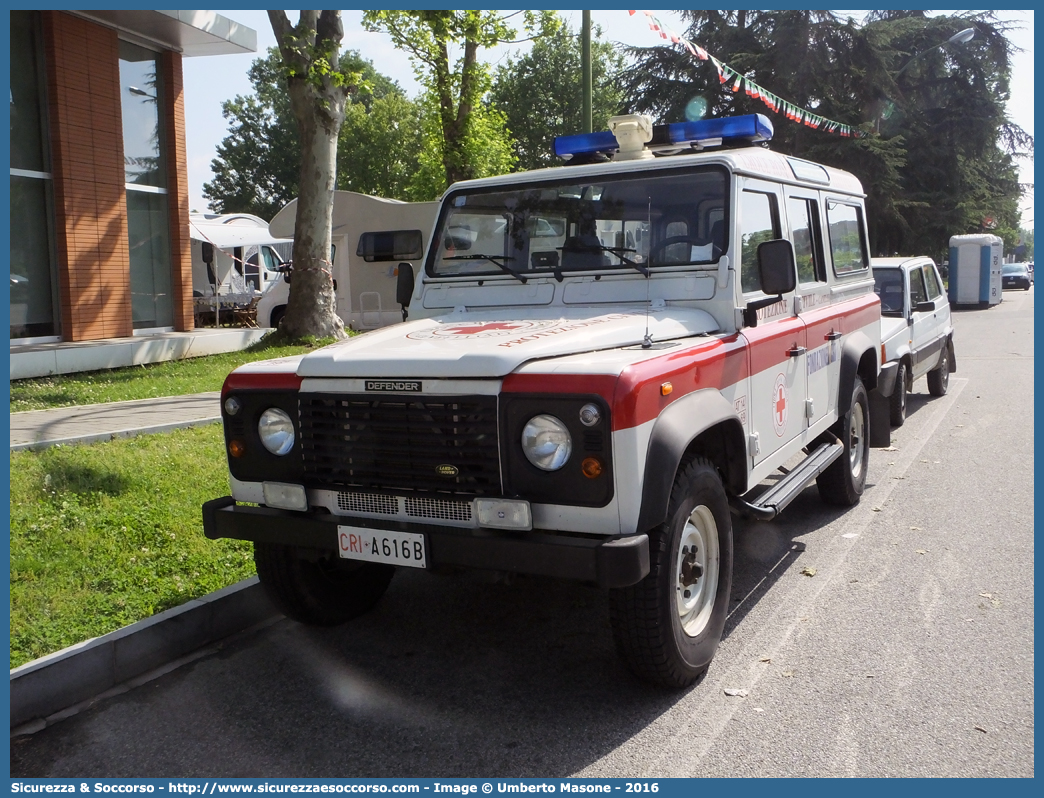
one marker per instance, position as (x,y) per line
(232,253)
(371,237)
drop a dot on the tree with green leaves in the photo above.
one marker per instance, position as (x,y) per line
(541,94)
(318,92)
(259,162)
(468,134)
(936,154)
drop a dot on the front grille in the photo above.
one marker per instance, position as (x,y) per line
(402,443)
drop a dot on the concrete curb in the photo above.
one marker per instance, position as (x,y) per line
(45,687)
(108,436)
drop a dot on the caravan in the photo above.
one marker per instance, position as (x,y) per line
(371,237)
(233,254)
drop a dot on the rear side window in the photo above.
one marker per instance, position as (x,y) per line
(847,245)
(804,229)
(390,245)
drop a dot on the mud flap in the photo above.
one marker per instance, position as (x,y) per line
(880,416)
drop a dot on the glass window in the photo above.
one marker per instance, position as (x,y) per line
(623,222)
(760,223)
(932,282)
(272,262)
(917,292)
(34,301)
(147,232)
(390,245)
(847,246)
(888,285)
(140,101)
(804,229)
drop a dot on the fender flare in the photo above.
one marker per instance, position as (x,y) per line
(681,423)
(853,353)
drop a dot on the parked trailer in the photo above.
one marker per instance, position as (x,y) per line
(975,269)
(371,237)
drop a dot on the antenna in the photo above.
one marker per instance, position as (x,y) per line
(647,341)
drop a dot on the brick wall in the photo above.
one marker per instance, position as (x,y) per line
(177,191)
(83,87)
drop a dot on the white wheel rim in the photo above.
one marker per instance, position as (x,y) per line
(855,440)
(696,571)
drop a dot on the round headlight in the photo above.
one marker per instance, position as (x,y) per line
(276,431)
(546,442)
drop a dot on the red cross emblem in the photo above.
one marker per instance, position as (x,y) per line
(779,405)
(497,325)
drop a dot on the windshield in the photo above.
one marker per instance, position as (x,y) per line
(627,222)
(1012,268)
(888,285)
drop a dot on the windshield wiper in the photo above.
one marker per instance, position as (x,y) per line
(496,260)
(617,250)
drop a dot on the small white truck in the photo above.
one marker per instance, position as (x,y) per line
(371,237)
(916,331)
(603,362)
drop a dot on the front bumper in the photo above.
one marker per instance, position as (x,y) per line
(610,563)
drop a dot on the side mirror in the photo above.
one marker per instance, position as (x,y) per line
(777,271)
(925,307)
(404,282)
(207,252)
(777,266)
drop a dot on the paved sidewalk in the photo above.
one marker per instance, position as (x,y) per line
(38,429)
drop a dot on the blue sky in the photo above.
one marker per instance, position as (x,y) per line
(211,80)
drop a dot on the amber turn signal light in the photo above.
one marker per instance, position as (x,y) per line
(666,388)
(592,467)
(236,448)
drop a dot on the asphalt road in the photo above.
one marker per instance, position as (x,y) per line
(909,652)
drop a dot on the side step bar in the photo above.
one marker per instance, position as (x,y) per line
(770,503)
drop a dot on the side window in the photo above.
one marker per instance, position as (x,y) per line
(760,223)
(917,293)
(391,245)
(804,227)
(845,228)
(271,260)
(932,282)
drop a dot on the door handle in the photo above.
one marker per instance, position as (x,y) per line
(797,351)
(832,335)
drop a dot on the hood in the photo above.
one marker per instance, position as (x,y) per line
(491,345)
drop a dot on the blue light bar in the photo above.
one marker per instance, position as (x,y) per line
(750,128)
(731,130)
(585,144)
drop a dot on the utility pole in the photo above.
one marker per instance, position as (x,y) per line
(585,67)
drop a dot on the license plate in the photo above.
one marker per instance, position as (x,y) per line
(379,545)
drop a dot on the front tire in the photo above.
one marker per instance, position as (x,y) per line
(844,480)
(939,377)
(667,627)
(319,588)
(897,403)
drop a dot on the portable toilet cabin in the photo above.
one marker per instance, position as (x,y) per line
(975,269)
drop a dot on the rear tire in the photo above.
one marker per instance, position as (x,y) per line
(319,588)
(939,377)
(844,480)
(277,316)
(667,627)
(897,402)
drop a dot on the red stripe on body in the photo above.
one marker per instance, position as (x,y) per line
(770,342)
(634,395)
(282,381)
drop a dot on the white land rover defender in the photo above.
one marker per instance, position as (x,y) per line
(601,360)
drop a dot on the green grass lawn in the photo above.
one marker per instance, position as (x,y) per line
(106,534)
(170,378)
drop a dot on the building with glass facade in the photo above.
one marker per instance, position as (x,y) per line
(99,185)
